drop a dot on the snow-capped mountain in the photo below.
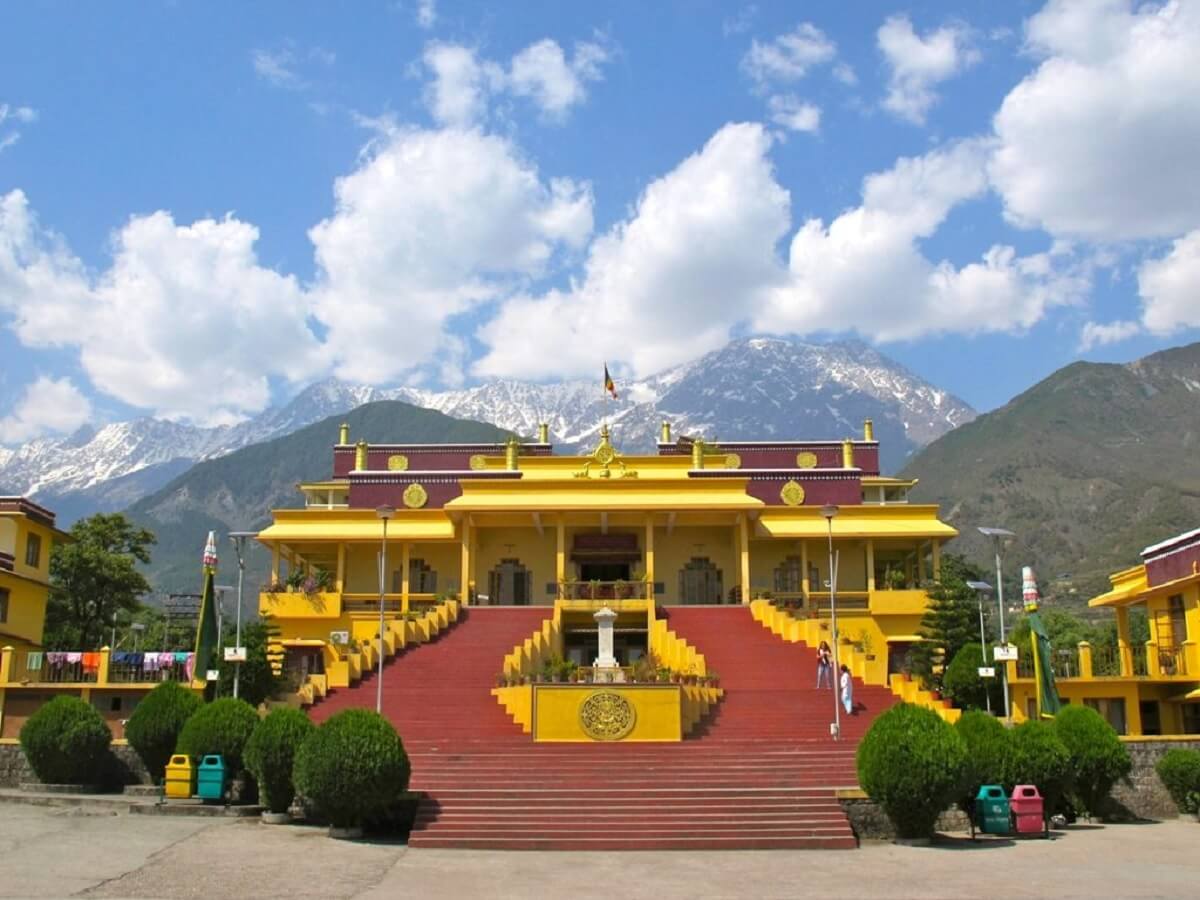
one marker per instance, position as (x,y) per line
(751,389)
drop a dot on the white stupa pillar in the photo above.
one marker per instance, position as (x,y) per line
(605,618)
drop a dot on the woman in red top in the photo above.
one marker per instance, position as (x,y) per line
(824,665)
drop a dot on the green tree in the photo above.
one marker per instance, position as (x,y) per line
(962,684)
(92,577)
(257,681)
(950,623)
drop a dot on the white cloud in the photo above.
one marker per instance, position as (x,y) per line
(281,67)
(430,226)
(865,272)
(10,118)
(184,321)
(788,57)
(48,406)
(1170,288)
(793,113)
(844,72)
(426,14)
(665,285)
(463,82)
(919,63)
(1097,334)
(1099,142)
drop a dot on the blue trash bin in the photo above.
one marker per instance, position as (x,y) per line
(992,815)
(212,778)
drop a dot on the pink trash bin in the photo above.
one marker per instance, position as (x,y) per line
(1028,809)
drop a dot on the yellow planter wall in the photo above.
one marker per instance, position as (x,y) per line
(658,711)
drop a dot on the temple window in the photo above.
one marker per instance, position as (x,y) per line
(789,576)
(510,584)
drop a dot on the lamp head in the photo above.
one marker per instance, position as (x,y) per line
(996,533)
(981,586)
(829,510)
(385,512)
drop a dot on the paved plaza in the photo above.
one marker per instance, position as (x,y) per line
(47,852)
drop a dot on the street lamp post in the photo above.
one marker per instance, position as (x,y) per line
(238,539)
(997,536)
(384,512)
(980,588)
(829,511)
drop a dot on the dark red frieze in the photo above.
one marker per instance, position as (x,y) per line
(425,457)
(372,489)
(1173,560)
(782,455)
(819,489)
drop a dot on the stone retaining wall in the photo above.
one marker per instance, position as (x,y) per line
(124,767)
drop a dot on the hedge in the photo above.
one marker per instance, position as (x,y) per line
(1179,771)
(270,755)
(223,727)
(352,767)
(154,726)
(1098,758)
(989,747)
(961,682)
(1039,757)
(66,742)
(912,764)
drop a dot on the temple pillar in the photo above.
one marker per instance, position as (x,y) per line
(340,583)
(275,564)
(1124,648)
(405,549)
(560,555)
(464,577)
(870,559)
(650,558)
(921,562)
(744,557)
(1085,660)
(804,583)
(937,559)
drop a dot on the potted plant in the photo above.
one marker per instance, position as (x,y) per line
(294,580)
(894,579)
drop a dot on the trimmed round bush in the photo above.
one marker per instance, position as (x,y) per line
(961,682)
(154,726)
(989,746)
(66,742)
(223,727)
(352,767)
(912,764)
(1038,757)
(271,752)
(1179,771)
(1098,758)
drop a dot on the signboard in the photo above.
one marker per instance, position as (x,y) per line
(235,654)
(339,637)
(1005,654)
(212,675)
(986,672)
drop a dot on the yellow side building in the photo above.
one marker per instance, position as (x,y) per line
(27,533)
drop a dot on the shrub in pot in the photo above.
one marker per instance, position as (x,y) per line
(1179,771)
(223,726)
(988,746)
(270,755)
(1039,757)
(154,726)
(66,742)
(352,767)
(912,764)
(1098,758)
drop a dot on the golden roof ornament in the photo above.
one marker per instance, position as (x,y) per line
(603,460)
(397,462)
(792,493)
(806,460)
(415,496)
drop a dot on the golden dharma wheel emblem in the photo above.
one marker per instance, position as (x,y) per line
(415,496)
(792,494)
(806,460)
(478,461)
(733,461)
(397,463)
(606,716)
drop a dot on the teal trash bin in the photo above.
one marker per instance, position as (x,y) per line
(212,778)
(991,810)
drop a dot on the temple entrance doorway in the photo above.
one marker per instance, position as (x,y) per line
(700,582)
(510,584)
(604,571)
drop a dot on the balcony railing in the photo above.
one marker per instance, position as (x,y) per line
(603,590)
(99,667)
(1171,661)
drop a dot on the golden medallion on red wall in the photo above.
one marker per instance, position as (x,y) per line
(792,494)
(415,496)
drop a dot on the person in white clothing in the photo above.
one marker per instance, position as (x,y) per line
(847,685)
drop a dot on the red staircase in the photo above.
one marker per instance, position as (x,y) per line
(759,773)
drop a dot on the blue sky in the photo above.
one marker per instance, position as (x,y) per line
(205,206)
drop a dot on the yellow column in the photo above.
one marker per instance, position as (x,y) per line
(560,554)
(340,583)
(920,562)
(105,659)
(650,558)
(6,664)
(1124,649)
(937,560)
(464,578)
(1133,710)
(744,553)
(404,552)
(1085,660)
(870,561)
(1152,667)
(804,585)
(275,563)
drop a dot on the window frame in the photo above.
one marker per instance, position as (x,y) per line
(33,548)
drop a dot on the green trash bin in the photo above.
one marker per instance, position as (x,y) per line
(212,779)
(991,810)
